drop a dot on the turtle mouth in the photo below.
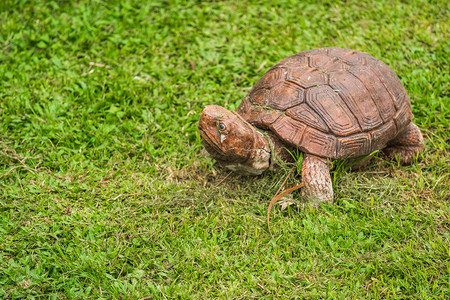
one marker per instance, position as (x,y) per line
(212,147)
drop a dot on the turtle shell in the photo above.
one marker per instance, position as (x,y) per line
(330,102)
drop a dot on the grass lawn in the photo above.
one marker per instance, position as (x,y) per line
(104,188)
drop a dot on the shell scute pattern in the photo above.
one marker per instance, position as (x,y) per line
(258,116)
(355,59)
(377,91)
(260,97)
(390,81)
(293,62)
(333,65)
(384,133)
(330,102)
(270,78)
(404,115)
(357,98)
(291,129)
(355,145)
(315,141)
(394,83)
(315,61)
(309,79)
(335,113)
(305,114)
(285,95)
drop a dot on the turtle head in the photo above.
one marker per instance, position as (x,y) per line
(233,142)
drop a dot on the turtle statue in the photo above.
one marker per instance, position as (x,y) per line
(327,103)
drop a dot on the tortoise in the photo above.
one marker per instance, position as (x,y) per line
(329,103)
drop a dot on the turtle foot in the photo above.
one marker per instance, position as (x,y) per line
(406,146)
(316,178)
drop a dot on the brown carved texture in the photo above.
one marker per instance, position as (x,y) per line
(330,102)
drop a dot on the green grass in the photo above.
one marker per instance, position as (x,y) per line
(105,193)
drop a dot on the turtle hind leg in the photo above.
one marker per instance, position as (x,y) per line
(407,145)
(317,180)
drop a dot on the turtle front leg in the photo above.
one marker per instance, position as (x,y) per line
(406,145)
(316,178)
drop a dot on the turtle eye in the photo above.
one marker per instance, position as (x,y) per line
(222,127)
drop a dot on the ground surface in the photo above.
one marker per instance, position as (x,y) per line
(104,192)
